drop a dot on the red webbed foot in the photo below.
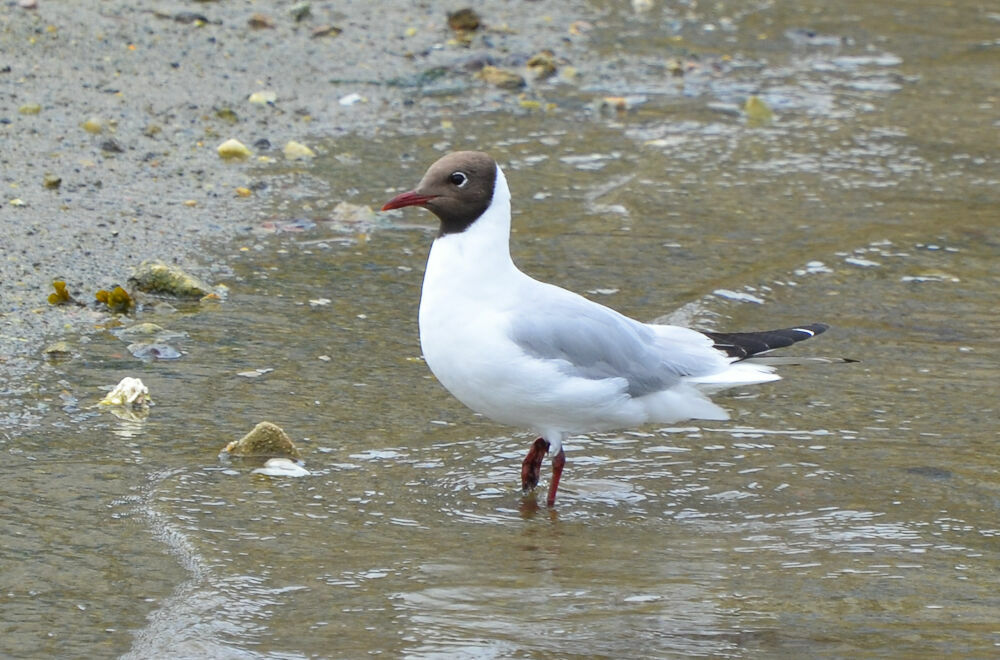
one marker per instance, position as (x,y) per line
(531,468)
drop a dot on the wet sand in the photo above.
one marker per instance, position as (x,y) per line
(166,86)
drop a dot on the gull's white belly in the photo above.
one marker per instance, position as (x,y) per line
(472,356)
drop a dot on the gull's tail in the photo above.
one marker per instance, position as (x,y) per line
(750,345)
(747,351)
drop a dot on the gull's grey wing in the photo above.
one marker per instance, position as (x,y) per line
(591,341)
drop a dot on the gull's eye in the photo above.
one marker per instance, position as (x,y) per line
(459,179)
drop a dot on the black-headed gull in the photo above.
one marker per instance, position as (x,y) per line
(531,354)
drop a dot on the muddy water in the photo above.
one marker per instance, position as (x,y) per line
(848,510)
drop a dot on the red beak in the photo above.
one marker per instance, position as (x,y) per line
(412,198)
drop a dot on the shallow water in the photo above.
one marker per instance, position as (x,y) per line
(848,510)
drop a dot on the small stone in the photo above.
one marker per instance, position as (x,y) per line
(227,115)
(187,18)
(153,351)
(350,99)
(112,146)
(233,149)
(464,20)
(298,151)
(300,11)
(255,373)
(30,109)
(263,97)
(502,78)
(159,277)
(260,21)
(93,125)
(266,439)
(757,111)
(164,308)
(620,103)
(139,330)
(351,217)
(542,65)
(58,350)
(326,31)
(51,181)
(128,392)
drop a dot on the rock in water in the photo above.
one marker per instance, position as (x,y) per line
(266,439)
(158,277)
(298,151)
(128,392)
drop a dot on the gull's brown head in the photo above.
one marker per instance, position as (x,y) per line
(458,188)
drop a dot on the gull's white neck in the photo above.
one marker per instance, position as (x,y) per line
(476,260)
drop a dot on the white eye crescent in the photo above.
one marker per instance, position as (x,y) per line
(459,179)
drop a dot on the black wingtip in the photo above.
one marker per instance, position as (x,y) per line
(742,345)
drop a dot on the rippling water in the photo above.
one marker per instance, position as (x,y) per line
(848,510)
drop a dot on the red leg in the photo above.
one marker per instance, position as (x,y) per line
(531,468)
(558,461)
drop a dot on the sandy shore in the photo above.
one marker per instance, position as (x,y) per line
(162,86)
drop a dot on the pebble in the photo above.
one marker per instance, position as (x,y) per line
(297,151)
(145,351)
(265,439)
(155,276)
(300,11)
(260,21)
(757,111)
(233,149)
(502,78)
(543,64)
(112,146)
(350,99)
(58,350)
(464,20)
(326,31)
(128,391)
(139,330)
(263,97)
(93,125)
